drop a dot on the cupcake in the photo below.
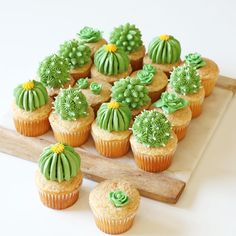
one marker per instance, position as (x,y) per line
(185,81)
(153,142)
(176,110)
(155,80)
(129,38)
(130,91)
(110,131)
(54,74)
(72,119)
(164,53)
(91,38)
(31,108)
(114,204)
(206,68)
(96,91)
(110,64)
(78,55)
(59,177)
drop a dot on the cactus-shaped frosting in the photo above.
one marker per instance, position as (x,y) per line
(89,35)
(77,54)
(59,162)
(95,88)
(118,198)
(128,37)
(30,95)
(111,60)
(146,75)
(71,104)
(82,83)
(185,80)
(130,91)
(113,116)
(54,71)
(164,49)
(152,129)
(195,60)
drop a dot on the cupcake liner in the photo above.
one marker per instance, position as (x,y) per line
(208,85)
(196,109)
(180,131)
(137,64)
(156,95)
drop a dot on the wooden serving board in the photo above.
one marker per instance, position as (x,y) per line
(166,186)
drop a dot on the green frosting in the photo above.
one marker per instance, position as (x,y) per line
(152,129)
(111,63)
(89,35)
(54,71)
(118,198)
(113,116)
(185,80)
(82,83)
(195,60)
(31,95)
(145,77)
(77,54)
(127,37)
(59,162)
(95,88)
(71,104)
(150,68)
(130,91)
(170,102)
(164,49)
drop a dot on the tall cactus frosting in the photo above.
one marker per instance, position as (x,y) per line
(59,162)
(89,35)
(111,60)
(195,60)
(152,129)
(30,95)
(113,116)
(54,71)
(130,91)
(71,104)
(77,54)
(164,49)
(127,37)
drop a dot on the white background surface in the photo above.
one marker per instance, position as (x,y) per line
(30,30)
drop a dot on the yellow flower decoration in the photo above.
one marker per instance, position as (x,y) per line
(111,47)
(164,37)
(113,105)
(28,85)
(58,148)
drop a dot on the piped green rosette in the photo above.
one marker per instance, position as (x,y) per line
(111,60)
(130,91)
(59,162)
(54,71)
(195,60)
(152,129)
(89,35)
(113,116)
(170,102)
(71,104)
(95,88)
(82,83)
(30,95)
(128,37)
(185,80)
(147,74)
(118,198)
(164,49)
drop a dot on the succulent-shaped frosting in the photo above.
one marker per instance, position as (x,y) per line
(152,129)
(111,60)
(170,102)
(71,104)
(82,83)
(54,71)
(77,54)
(146,75)
(195,60)
(130,91)
(118,198)
(113,116)
(128,37)
(164,49)
(89,35)
(30,95)
(149,68)
(59,162)
(185,80)
(95,88)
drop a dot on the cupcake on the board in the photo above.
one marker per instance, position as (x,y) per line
(153,142)
(185,81)
(78,55)
(71,121)
(129,38)
(59,177)
(31,108)
(114,204)
(110,131)
(207,69)
(164,53)
(110,63)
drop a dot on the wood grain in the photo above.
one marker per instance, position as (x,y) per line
(226,83)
